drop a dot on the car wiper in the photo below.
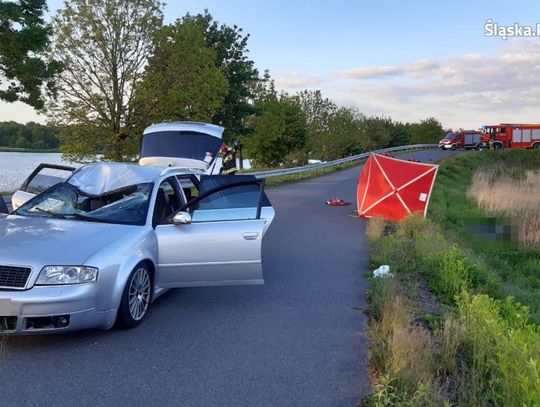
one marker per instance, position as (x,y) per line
(53,214)
(87,218)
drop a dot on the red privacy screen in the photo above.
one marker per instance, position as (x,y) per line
(392,189)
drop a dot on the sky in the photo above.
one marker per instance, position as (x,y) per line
(406,60)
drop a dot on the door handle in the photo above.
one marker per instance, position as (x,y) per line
(251,235)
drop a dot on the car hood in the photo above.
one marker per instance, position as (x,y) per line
(39,241)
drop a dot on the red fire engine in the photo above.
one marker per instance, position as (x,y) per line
(461,139)
(499,136)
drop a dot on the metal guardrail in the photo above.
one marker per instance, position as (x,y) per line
(312,167)
(327,164)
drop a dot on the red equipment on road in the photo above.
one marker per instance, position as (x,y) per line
(390,188)
(337,202)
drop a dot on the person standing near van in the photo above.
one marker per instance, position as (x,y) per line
(229,160)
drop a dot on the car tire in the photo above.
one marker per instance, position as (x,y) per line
(136,297)
(536,146)
(453,148)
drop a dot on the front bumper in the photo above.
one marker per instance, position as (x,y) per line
(27,312)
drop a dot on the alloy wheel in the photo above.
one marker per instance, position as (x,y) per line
(139,294)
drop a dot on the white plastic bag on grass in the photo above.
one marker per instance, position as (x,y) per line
(383,271)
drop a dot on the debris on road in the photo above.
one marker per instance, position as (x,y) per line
(337,202)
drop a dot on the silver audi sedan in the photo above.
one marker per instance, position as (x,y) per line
(97,249)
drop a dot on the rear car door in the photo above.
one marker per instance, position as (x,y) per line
(222,245)
(42,178)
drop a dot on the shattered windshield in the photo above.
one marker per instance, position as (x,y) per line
(128,205)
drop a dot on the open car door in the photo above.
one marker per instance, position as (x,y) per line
(3,206)
(221,242)
(42,178)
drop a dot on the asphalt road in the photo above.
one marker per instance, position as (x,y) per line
(298,340)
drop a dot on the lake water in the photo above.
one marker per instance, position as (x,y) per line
(16,167)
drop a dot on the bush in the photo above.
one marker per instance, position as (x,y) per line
(452,276)
(503,349)
(483,353)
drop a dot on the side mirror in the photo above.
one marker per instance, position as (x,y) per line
(182,218)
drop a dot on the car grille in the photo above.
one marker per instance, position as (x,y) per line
(14,277)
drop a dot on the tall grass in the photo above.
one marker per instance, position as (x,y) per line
(483,352)
(514,258)
(400,351)
(513,193)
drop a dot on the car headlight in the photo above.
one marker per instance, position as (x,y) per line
(53,275)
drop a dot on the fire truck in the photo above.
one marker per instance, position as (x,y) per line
(499,136)
(461,139)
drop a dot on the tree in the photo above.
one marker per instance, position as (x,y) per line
(319,112)
(345,136)
(30,135)
(181,81)
(378,130)
(279,130)
(24,37)
(103,46)
(231,57)
(399,135)
(427,131)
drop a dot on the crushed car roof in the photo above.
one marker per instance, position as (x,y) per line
(100,178)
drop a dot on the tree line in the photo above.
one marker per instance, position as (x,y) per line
(104,70)
(29,136)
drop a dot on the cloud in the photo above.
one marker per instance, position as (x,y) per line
(19,112)
(297,81)
(371,72)
(463,91)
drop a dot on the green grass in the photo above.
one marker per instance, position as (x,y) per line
(288,179)
(479,350)
(517,267)
(27,150)
(485,343)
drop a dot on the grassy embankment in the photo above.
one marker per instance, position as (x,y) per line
(27,150)
(458,322)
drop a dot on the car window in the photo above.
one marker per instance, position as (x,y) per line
(167,202)
(242,196)
(231,203)
(189,187)
(127,205)
(46,178)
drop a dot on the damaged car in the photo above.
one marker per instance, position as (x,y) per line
(98,248)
